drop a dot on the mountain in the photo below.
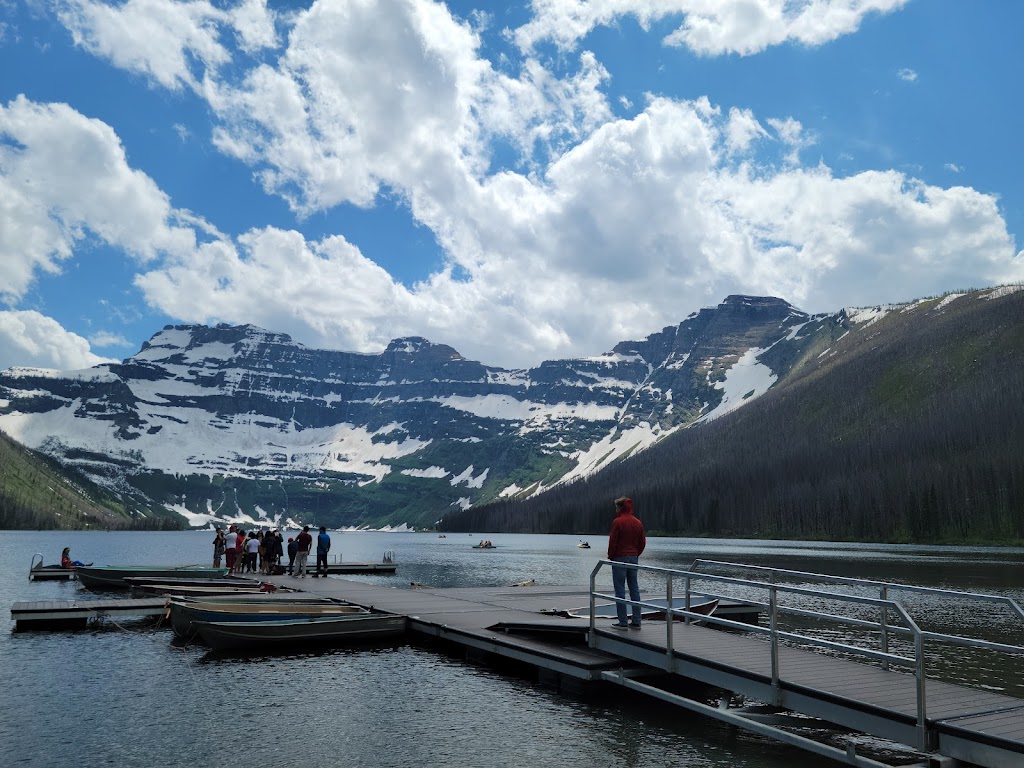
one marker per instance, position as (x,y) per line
(35,492)
(240,423)
(907,428)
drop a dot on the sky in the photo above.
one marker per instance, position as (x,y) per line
(523,181)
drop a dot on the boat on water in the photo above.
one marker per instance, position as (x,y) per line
(113,576)
(485,545)
(269,634)
(195,590)
(584,545)
(183,613)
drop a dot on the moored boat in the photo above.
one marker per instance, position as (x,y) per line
(359,627)
(113,576)
(184,613)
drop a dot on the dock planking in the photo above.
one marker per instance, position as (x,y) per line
(507,622)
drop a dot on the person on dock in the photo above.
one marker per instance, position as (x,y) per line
(303,543)
(626,543)
(323,546)
(219,547)
(230,540)
(292,549)
(240,552)
(252,550)
(67,562)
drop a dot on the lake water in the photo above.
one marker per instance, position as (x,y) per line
(129,697)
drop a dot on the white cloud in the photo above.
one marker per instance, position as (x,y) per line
(608,229)
(64,178)
(109,339)
(165,40)
(907,75)
(709,27)
(28,338)
(952,167)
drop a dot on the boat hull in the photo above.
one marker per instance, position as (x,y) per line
(113,577)
(230,635)
(183,615)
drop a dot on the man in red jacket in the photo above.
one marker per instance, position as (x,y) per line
(626,543)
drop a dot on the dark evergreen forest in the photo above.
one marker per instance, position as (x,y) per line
(909,429)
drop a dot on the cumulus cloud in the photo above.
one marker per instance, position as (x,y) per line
(606,228)
(28,338)
(907,75)
(709,28)
(170,42)
(64,178)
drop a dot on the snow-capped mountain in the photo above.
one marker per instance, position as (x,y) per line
(239,422)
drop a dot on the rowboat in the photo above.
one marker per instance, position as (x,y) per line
(358,627)
(113,576)
(183,613)
(485,546)
(193,590)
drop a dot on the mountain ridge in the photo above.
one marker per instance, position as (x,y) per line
(237,422)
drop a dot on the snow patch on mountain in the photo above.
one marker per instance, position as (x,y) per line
(508,408)
(746,378)
(435,472)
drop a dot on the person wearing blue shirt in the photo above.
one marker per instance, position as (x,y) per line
(323,546)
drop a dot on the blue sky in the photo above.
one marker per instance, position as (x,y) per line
(534,182)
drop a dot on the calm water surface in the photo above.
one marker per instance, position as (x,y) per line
(126,696)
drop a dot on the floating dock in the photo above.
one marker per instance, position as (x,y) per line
(795,684)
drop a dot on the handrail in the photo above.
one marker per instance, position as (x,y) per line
(853,581)
(32,564)
(883,603)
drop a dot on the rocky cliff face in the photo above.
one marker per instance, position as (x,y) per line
(239,423)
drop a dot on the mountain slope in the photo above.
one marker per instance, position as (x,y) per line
(907,428)
(34,493)
(241,423)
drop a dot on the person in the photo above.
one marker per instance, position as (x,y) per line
(323,546)
(626,543)
(292,549)
(240,552)
(219,545)
(252,548)
(278,553)
(303,543)
(67,562)
(230,540)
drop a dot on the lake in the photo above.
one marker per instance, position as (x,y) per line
(127,696)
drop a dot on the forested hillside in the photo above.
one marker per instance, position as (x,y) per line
(35,493)
(908,429)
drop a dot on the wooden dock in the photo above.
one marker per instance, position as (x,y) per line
(71,614)
(981,727)
(514,624)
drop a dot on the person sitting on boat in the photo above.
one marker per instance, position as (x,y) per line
(67,562)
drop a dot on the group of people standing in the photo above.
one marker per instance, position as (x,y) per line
(259,552)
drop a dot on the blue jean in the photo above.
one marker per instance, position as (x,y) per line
(622,576)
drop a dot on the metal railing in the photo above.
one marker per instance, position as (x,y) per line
(888,610)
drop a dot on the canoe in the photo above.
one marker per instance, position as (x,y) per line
(113,576)
(183,613)
(485,546)
(225,635)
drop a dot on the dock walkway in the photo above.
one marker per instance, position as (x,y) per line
(982,727)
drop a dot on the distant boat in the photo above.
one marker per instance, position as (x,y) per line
(486,545)
(584,545)
(183,613)
(441,536)
(113,576)
(224,635)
